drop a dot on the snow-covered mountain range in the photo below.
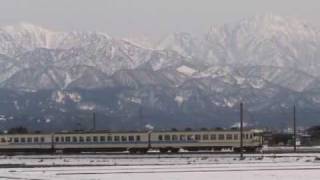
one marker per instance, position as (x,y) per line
(50,78)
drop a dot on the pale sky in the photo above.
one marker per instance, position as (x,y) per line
(150,17)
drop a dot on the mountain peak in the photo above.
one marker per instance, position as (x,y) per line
(269,17)
(24,37)
(25,27)
(272,21)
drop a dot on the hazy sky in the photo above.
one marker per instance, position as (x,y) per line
(150,17)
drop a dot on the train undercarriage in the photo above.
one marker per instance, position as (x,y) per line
(130,150)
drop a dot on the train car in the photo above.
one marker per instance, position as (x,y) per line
(173,141)
(133,142)
(24,143)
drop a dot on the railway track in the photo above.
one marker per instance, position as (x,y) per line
(161,155)
(193,171)
(156,154)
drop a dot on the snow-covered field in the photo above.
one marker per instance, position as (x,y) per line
(162,167)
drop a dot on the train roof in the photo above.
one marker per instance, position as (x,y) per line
(98,132)
(195,131)
(129,132)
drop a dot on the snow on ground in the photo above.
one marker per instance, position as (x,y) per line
(290,148)
(162,167)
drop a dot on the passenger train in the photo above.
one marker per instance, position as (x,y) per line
(133,142)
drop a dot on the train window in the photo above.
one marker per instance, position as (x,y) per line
(42,139)
(116,138)
(67,139)
(95,138)
(160,138)
(109,138)
(74,139)
(23,140)
(221,136)
(198,137)
(182,137)
(57,139)
(235,137)
(174,137)
(16,140)
(205,137)
(29,139)
(131,138)
(81,139)
(88,139)
(62,139)
(123,138)
(138,138)
(102,138)
(251,136)
(3,140)
(10,140)
(167,137)
(229,136)
(247,136)
(36,139)
(213,137)
(190,137)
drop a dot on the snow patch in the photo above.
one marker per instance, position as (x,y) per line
(61,97)
(48,120)
(230,102)
(3,118)
(240,80)
(87,107)
(257,84)
(67,80)
(179,100)
(16,105)
(135,100)
(316,99)
(237,125)
(186,70)
(149,127)
(158,65)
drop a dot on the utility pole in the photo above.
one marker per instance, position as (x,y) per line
(140,124)
(94,121)
(241,130)
(294,129)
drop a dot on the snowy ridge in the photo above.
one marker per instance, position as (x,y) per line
(268,61)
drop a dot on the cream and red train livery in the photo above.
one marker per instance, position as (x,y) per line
(134,142)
